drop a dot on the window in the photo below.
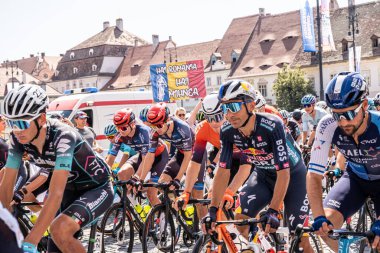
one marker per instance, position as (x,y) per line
(375,41)
(344,46)
(91,52)
(219,80)
(263,89)
(75,70)
(80,84)
(94,67)
(213,60)
(67,86)
(74,85)
(332,76)
(72,55)
(208,81)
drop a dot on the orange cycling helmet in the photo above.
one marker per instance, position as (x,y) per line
(123,117)
(158,114)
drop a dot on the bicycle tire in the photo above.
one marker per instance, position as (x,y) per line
(204,244)
(315,243)
(149,233)
(115,232)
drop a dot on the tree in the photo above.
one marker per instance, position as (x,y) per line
(290,86)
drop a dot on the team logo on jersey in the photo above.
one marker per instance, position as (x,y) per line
(253,151)
(259,138)
(63,145)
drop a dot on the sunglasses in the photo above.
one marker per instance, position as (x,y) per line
(216,117)
(123,128)
(233,107)
(110,137)
(307,105)
(20,124)
(349,115)
(156,127)
(181,115)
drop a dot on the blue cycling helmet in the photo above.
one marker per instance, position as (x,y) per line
(144,112)
(308,99)
(346,89)
(284,114)
(110,130)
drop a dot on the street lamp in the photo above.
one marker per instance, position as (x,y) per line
(13,68)
(353,26)
(321,93)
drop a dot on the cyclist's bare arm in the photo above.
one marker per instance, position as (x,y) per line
(145,165)
(6,186)
(314,192)
(123,159)
(280,188)
(185,163)
(52,204)
(110,160)
(36,183)
(191,175)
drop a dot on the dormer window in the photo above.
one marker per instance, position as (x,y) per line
(214,57)
(75,70)
(91,52)
(72,55)
(235,55)
(344,46)
(375,41)
(94,67)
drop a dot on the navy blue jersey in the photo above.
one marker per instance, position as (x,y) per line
(182,137)
(363,158)
(139,142)
(64,149)
(268,147)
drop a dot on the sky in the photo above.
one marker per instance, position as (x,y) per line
(50,26)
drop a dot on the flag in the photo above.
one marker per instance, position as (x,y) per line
(307,27)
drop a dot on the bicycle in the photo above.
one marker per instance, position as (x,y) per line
(350,241)
(298,234)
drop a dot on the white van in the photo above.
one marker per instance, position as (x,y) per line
(101,106)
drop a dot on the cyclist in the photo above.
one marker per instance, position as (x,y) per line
(376,101)
(262,106)
(80,190)
(280,172)
(311,116)
(354,131)
(322,105)
(291,125)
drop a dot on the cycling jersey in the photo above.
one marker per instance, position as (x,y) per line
(293,128)
(182,137)
(139,141)
(204,134)
(362,159)
(307,119)
(270,109)
(124,148)
(268,147)
(64,149)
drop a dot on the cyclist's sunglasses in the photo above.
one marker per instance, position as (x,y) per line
(110,137)
(156,127)
(307,105)
(20,124)
(123,128)
(216,117)
(233,107)
(349,115)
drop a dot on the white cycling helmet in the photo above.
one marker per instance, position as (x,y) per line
(25,101)
(377,97)
(237,89)
(260,100)
(211,104)
(321,104)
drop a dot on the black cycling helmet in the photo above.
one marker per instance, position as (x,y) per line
(297,114)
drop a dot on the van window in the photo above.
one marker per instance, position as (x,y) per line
(90,115)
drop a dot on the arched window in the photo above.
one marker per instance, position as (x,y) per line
(72,55)
(91,52)
(94,67)
(75,70)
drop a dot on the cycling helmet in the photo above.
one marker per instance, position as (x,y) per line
(237,89)
(200,116)
(297,114)
(346,89)
(376,99)
(260,100)
(144,112)
(211,104)
(321,104)
(308,99)
(158,114)
(123,117)
(26,100)
(110,130)
(284,114)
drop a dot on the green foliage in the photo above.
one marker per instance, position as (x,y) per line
(290,86)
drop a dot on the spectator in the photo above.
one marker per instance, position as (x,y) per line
(180,113)
(87,132)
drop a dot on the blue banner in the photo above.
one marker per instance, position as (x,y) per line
(307,27)
(159,81)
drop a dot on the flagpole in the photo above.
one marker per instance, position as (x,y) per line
(321,92)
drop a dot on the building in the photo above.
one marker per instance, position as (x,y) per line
(95,61)
(368,38)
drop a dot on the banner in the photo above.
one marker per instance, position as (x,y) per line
(159,80)
(358,50)
(178,81)
(307,27)
(327,37)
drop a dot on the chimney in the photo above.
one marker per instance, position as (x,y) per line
(262,11)
(106,24)
(61,55)
(31,55)
(136,42)
(119,24)
(155,41)
(170,38)
(43,55)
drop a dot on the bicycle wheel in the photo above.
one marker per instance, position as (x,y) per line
(315,243)
(204,244)
(159,228)
(114,236)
